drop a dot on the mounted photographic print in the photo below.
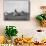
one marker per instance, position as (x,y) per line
(16,10)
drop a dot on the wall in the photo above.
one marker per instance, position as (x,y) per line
(27,28)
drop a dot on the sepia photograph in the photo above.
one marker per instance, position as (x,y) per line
(16,10)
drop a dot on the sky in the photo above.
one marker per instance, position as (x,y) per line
(10,6)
